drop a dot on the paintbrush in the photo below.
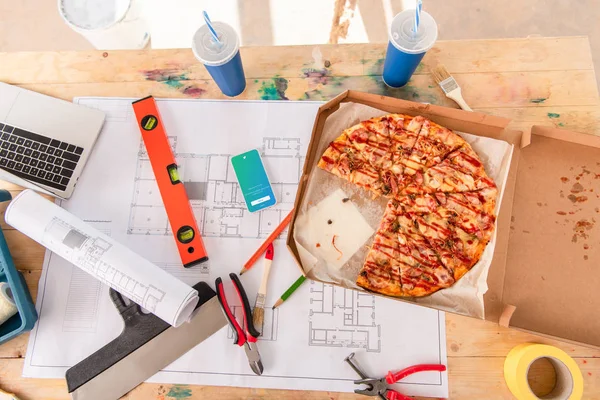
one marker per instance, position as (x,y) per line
(449,86)
(258,314)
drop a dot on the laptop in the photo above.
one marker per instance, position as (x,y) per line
(44,142)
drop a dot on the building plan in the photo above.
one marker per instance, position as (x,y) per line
(305,341)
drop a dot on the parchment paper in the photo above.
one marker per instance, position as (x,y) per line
(464,297)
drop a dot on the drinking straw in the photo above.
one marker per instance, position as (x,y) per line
(418,15)
(210,28)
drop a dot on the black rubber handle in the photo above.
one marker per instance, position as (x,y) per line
(250,329)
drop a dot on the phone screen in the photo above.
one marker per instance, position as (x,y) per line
(253,180)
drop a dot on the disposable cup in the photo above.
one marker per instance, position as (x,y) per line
(405,48)
(222,60)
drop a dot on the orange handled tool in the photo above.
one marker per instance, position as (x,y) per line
(179,211)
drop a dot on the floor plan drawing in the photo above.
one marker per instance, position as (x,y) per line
(214,193)
(341,317)
(269,328)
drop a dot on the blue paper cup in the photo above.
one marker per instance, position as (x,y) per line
(222,61)
(405,48)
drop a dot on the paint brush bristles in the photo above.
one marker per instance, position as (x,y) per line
(449,86)
(444,79)
(258,318)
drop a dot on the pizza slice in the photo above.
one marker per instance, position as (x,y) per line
(344,161)
(371,139)
(381,270)
(432,146)
(461,171)
(403,138)
(457,225)
(407,252)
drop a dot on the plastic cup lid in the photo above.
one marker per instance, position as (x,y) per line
(211,53)
(401,33)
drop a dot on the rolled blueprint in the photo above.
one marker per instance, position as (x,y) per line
(102,257)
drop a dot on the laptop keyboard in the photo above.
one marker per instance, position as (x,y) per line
(37,158)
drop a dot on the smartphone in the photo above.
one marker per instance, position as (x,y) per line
(254,182)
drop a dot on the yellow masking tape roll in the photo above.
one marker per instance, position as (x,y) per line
(569,381)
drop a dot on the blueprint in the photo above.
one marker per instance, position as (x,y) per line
(306,340)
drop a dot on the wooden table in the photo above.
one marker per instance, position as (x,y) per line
(545,81)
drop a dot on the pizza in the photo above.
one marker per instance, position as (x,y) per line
(440,216)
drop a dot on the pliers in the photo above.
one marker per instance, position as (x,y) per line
(380,387)
(248,336)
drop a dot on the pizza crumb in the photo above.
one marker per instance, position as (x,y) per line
(329,222)
(564,179)
(318,245)
(345,200)
(561,213)
(335,247)
(585,257)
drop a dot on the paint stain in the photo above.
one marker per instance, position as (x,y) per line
(169,76)
(585,361)
(274,89)
(589,374)
(256,81)
(539,100)
(454,347)
(553,115)
(526,231)
(564,179)
(316,76)
(561,213)
(561,124)
(539,204)
(179,392)
(193,91)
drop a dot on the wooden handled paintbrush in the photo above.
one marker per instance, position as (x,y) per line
(258,314)
(449,86)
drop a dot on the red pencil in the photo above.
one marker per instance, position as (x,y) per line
(269,240)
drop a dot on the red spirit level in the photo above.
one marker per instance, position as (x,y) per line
(183,224)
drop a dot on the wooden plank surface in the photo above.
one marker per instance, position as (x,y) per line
(531,81)
(470,378)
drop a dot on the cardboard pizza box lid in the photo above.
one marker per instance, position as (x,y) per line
(551,275)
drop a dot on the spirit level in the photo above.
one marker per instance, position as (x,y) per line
(183,224)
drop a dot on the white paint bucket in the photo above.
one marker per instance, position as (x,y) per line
(107,24)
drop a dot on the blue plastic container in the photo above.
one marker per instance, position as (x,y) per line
(26,318)
(222,60)
(406,48)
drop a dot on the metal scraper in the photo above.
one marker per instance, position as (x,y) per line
(146,345)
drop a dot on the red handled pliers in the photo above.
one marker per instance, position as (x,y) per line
(248,336)
(380,387)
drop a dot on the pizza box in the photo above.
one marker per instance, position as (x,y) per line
(543,276)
